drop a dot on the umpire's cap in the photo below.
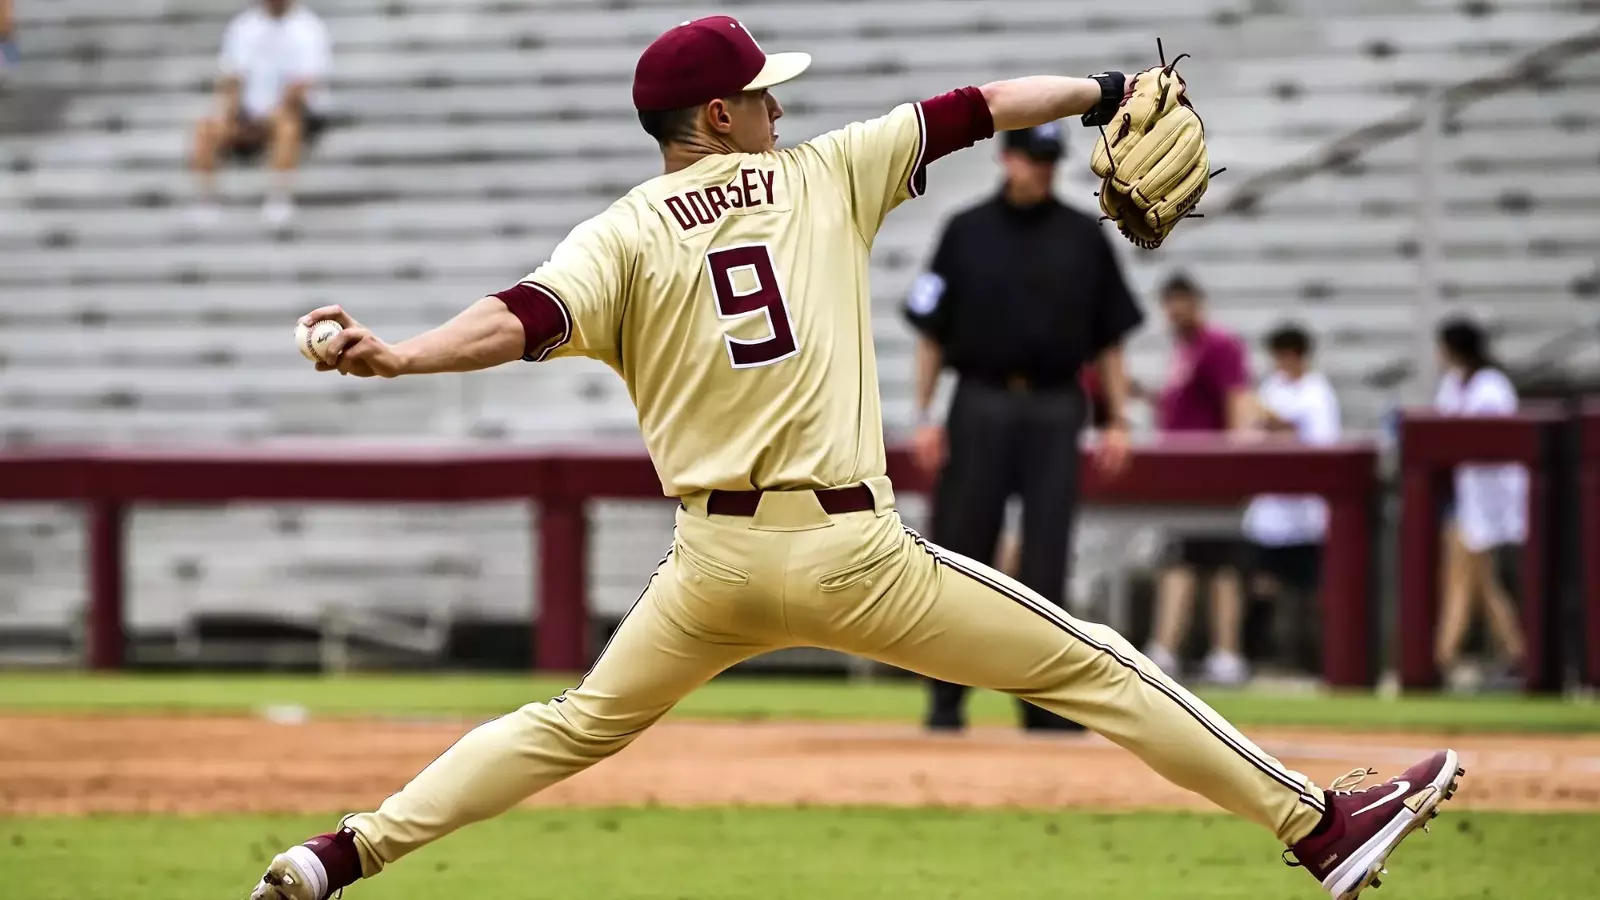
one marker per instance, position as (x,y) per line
(699,61)
(1043,143)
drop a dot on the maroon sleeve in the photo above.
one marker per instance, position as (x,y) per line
(1227,367)
(950,122)
(545,322)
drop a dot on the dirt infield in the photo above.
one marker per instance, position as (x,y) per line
(76,765)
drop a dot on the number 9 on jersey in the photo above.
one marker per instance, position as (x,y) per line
(745,282)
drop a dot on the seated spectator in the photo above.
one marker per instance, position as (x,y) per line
(1285,533)
(274,61)
(1207,390)
(1490,515)
(8,38)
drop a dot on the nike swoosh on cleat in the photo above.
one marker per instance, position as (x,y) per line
(1400,787)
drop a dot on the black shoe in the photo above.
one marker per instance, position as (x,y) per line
(946,723)
(1037,719)
(1065,726)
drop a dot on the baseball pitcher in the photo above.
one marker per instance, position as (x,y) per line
(730,294)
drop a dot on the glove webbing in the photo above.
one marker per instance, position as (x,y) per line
(1161,103)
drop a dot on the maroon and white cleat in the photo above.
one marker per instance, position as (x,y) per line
(314,870)
(1366,826)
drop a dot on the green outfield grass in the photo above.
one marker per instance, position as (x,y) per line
(804,855)
(735,698)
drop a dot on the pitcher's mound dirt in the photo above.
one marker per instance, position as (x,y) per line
(70,765)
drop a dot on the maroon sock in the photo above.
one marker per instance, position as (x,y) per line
(1326,822)
(339,857)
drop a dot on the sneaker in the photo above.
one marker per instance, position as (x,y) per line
(1163,659)
(1504,678)
(311,871)
(278,210)
(1364,827)
(1226,669)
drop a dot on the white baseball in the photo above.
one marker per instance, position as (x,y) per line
(311,340)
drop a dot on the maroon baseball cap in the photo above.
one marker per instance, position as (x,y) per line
(699,61)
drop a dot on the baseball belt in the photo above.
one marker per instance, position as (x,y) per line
(855,498)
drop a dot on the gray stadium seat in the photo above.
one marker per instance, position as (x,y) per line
(473,133)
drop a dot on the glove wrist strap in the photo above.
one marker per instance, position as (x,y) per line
(1112,87)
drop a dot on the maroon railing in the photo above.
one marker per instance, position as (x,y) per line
(1431,447)
(1589,500)
(562,482)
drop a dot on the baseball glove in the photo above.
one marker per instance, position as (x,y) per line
(1152,158)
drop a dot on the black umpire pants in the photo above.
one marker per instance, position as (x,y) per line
(1006,441)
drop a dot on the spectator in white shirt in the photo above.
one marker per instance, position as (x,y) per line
(1285,533)
(1490,512)
(274,65)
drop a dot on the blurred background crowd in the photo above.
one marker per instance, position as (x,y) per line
(1411,216)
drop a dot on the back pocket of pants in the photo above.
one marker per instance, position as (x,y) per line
(857,572)
(702,564)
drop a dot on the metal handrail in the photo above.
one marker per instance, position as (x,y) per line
(1538,67)
(1535,68)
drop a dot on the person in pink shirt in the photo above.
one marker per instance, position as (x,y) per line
(1208,386)
(1207,390)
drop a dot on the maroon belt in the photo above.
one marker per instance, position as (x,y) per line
(856,498)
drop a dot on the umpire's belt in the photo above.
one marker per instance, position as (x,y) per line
(1019,383)
(855,498)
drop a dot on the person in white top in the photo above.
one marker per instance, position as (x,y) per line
(1490,512)
(272,96)
(1285,533)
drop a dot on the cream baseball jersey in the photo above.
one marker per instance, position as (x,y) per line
(732,297)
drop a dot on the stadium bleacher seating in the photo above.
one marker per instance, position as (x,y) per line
(472,134)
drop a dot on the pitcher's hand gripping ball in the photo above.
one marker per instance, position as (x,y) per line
(1151,156)
(311,340)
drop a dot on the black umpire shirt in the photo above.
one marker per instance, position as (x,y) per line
(1032,292)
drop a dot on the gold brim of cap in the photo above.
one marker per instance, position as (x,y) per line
(780,67)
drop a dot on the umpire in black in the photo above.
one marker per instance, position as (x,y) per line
(1022,295)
